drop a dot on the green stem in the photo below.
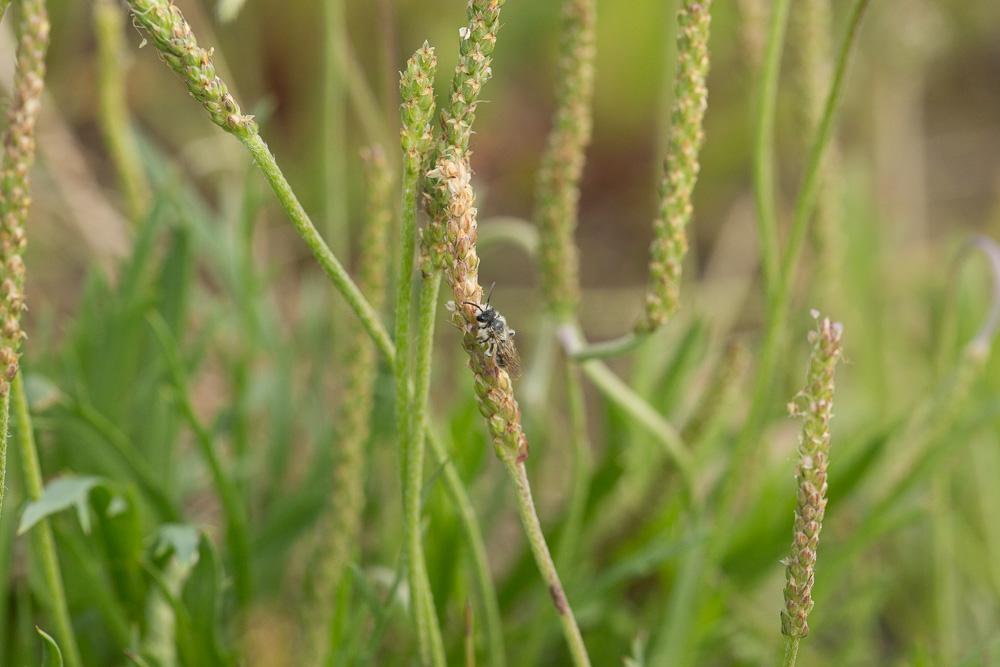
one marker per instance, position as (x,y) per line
(4,428)
(113,118)
(615,390)
(335,145)
(320,250)
(581,469)
(432,647)
(791,653)
(611,348)
(42,539)
(779,296)
(540,550)
(229,496)
(805,204)
(477,548)
(763,163)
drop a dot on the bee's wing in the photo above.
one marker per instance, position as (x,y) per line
(508,358)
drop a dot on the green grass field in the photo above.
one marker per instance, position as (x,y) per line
(250,417)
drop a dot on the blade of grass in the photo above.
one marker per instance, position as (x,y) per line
(229,496)
(41,535)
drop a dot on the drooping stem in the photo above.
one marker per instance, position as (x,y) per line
(42,539)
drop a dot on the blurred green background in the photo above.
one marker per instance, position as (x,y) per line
(909,563)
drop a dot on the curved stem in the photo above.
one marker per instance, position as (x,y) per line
(506,229)
(42,538)
(320,250)
(615,390)
(611,348)
(543,558)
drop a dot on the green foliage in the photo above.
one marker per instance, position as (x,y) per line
(184,393)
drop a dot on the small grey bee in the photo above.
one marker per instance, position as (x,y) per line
(495,337)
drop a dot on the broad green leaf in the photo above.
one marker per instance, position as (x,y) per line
(179,539)
(51,655)
(58,495)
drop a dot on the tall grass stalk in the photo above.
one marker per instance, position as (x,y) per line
(815,405)
(417,92)
(779,291)
(812,24)
(558,187)
(170,32)
(113,116)
(237,535)
(15,166)
(42,540)
(334,129)
(341,528)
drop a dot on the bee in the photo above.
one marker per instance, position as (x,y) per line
(495,337)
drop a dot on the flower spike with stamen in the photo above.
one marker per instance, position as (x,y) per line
(814,405)
(670,243)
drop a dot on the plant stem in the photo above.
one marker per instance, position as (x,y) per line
(229,496)
(413,451)
(779,296)
(477,548)
(42,538)
(540,550)
(622,395)
(611,348)
(335,144)
(4,428)
(580,472)
(763,162)
(791,653)
(113,118)
(321,251)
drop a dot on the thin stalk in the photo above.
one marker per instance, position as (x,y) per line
(611,348)
(580,471)
(334,134)
(763,161)
(622,395)
(425,612)
(320,250)
(805,204)
(477,549)
(113,116)
(779,297)
(791,652)
(4,427)
(540,550)
(229,495)
(42,539)
(416,111)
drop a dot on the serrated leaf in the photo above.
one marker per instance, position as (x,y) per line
(51,655)
(58,495)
